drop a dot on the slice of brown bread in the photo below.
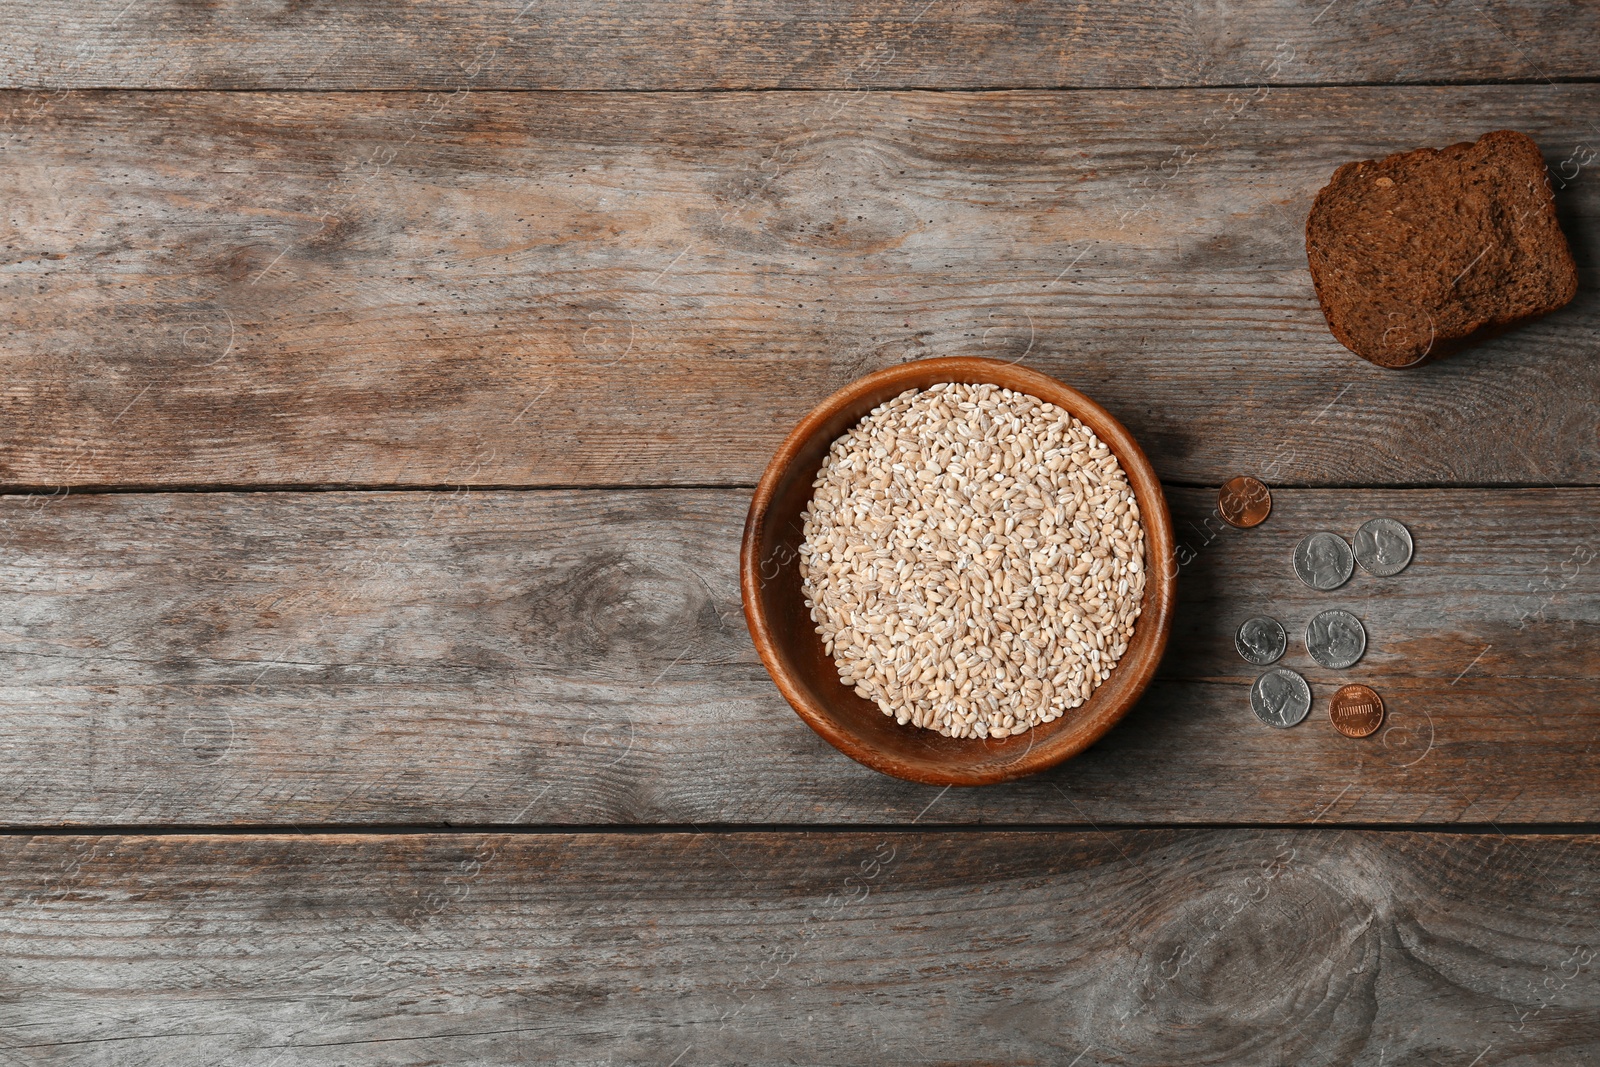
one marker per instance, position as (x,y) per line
(1425,252)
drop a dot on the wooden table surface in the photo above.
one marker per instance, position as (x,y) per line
(384,388)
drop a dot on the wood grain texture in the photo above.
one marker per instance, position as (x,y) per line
(561,657)
(1136,949)
(624,289)
(702,44)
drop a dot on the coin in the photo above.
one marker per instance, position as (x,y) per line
(1244,502)
(1261,640)
(1281,698)
(1356,711)
(1335,638)
(1383,547)
(1323,560)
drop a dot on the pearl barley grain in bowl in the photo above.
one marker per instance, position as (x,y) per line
(910,662)
(973,559)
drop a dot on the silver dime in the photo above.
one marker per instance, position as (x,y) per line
(1383,547)
(1261,640)
(1335,639)
(1323,560)
(1280,698)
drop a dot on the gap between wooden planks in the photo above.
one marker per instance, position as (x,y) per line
(580,657)
(629,289)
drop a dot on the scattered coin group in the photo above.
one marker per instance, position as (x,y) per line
(1335,638)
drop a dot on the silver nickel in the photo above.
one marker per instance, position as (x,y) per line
(1335,639)
(1383,547)
(1261,640)
(1281,698)
(1323,560)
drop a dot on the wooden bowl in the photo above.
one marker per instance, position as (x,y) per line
(786,637)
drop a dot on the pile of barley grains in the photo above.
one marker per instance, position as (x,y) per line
(973,559)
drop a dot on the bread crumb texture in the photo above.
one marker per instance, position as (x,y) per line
(1422,253)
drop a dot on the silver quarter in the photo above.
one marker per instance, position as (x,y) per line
(1281,698)
(1383,547)
(1335,639)
(1261,640)
(1323,560)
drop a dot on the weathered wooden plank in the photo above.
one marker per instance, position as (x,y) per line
(561,657)
(602,289)
(701,44)
(1127,948)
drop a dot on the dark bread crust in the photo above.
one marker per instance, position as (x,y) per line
(1426,252)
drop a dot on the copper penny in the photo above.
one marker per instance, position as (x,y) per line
(1356,711)
(1244,502)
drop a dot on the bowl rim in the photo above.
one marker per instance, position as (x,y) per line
(1161,568)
